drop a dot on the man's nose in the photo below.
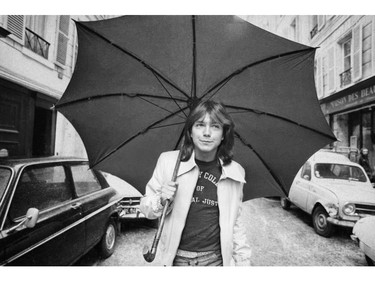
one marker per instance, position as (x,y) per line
(207,131)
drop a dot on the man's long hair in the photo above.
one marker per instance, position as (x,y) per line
(218,113)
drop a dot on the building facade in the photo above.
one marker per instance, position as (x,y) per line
(37,59)
(344,71)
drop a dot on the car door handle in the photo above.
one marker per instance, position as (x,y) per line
(76,206)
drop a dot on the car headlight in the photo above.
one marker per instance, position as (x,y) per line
(348,209)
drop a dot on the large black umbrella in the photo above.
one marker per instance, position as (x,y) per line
(137,77)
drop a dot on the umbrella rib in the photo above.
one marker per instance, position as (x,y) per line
(274,176)
(130,95)
(168,94)
(146,65)
(152,126)
(194,74)
(260,112)
(242,69)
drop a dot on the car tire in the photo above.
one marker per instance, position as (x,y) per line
(108,242)
(370,262)
(320,222)
(285,203)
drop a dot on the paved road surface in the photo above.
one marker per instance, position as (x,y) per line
(277,237)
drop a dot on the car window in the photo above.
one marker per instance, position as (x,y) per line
(306,171)
(41,187)
(339,171)
(4,179)
(84,180)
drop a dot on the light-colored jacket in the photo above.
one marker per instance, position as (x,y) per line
(234,247)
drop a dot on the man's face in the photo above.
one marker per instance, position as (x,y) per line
(207,136)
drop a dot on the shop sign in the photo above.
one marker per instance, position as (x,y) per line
(352,100)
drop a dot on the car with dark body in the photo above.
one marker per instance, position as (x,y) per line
(333,190)
(53,210)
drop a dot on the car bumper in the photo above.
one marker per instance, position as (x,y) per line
(341,222)
(131,213)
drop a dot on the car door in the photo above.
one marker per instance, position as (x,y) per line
(59,234)
(300,189)
(94,195)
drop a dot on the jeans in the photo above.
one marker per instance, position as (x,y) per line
(214,259)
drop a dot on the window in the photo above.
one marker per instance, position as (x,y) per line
(324,75)
(63,38)
(339,171)
(5,175)
(35,34)
(331,69)
(41,188)
(351,46)
(345,76)
(84,180)
(306,171)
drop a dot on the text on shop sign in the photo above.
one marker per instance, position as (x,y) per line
(356,98)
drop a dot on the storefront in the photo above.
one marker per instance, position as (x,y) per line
(352,119)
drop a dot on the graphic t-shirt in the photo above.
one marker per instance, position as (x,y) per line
(202,230)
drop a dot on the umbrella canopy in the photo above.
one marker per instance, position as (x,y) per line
(137,77)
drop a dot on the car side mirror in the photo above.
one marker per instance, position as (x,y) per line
(306,177)
(32,216)
(29,221)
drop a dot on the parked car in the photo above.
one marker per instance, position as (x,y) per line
(334,190)
(364,234)
(54,210)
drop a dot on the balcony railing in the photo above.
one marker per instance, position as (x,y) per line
(346,77)
(313,31)
(36,43)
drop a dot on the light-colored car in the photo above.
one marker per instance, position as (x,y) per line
(364,234)
(334,190)
(128,207)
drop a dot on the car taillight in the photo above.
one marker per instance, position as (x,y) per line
(348,209)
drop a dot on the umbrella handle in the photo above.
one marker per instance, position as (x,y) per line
(149,255)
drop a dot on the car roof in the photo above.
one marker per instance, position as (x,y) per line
(13,162)
(328,156)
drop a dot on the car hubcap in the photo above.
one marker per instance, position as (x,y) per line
(321,221)
(110,236)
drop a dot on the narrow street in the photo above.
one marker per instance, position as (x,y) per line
(277,237)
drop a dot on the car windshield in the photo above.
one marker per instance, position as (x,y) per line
(4,179)
(339,171)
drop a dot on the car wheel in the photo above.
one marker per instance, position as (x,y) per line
(370,262)
(285,203)
(108,241)
(320,222)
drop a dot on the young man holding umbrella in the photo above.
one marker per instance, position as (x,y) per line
(203,225)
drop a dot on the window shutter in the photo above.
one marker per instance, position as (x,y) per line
(357,53)
(321,21)
(319,77)
(15,24)
(63,38)
(331,69)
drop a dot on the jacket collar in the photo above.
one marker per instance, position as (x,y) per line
(232,171)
